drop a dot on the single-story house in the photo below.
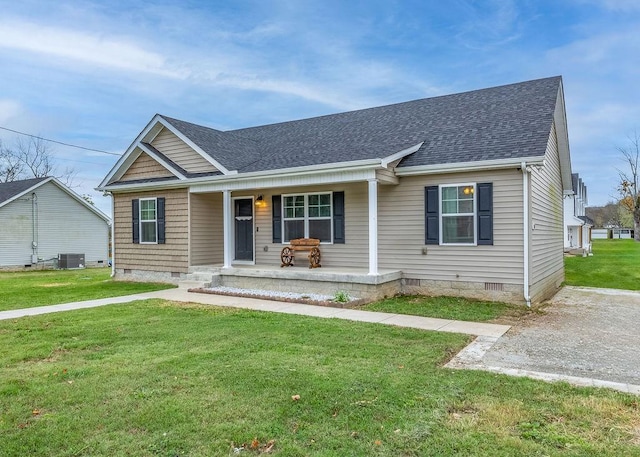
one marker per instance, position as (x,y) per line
(41,218)
(577,226)
(459,194)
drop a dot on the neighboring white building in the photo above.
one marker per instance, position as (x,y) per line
(41,218)
(577,226)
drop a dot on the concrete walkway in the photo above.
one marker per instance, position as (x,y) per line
(182,295)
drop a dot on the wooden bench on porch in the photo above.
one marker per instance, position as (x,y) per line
(301,244)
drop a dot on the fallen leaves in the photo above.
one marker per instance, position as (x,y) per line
(295,397)
(256,447)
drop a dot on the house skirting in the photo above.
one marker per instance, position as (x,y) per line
(509,293)
(357,283)
(127,274)
(547,287)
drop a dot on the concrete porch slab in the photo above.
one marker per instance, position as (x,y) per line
(341,275)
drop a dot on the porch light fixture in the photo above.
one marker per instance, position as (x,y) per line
(260,201)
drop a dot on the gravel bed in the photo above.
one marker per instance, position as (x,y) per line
(291,297)
(270,293)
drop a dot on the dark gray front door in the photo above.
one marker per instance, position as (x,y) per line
(244,228)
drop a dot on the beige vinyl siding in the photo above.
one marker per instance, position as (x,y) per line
(355,253)
(547,231)
(62,225)
(401,232)
(386,175)
(145,167)
(207,237)
(173,256)
(181,153)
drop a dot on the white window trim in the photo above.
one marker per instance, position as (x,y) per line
(155,221)
(475,213)
(306,217)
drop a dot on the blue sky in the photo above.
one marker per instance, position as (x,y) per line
(94,73)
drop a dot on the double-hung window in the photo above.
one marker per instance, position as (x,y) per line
(307,216)
(148,220)
(458,214)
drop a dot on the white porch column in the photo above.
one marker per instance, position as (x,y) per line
(373,226)
(227,227)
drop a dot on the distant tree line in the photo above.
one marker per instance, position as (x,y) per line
(611,215)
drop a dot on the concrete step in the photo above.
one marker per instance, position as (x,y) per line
(207,278)
(191,284)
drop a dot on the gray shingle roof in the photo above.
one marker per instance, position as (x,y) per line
(230,150)
(9,190)
(511,121)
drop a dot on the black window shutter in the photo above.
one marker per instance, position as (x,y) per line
(431,212)
(338,218)
(276,208)
(135,220)
(485,213)
(161,220)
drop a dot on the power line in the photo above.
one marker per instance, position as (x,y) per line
(60,142)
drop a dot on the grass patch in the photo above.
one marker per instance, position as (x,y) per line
(50,287)
(156,378)
(614,265)
(457,308)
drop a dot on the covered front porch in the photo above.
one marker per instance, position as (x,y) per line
(250,227)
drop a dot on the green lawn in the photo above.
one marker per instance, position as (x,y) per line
(615,264)
(156,378)
(457,308)
(50,287)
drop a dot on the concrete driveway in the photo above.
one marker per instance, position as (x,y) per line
(585,336)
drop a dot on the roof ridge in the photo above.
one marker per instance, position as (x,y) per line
(406,102)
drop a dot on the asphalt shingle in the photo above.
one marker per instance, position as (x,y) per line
(511,121)
(9,190)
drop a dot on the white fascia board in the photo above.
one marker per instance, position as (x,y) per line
(400,154)
(468,166)
(292,180)
(195,147)
(560,121)
(309,169)
(161,161)
(124,161)
(360,170)
(574,221)
(25,192)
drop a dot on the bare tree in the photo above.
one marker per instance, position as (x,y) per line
(36,156)
(630,180)
(11,168)
(31,158)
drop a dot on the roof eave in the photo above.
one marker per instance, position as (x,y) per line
(282,173)
(26,191)
(461,167)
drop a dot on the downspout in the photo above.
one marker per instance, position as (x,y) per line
(34,228)
(525,224)
(113,234)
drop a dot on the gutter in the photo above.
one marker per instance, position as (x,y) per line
(497,164)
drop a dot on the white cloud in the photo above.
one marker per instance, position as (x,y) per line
(85,47)
(8,110)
